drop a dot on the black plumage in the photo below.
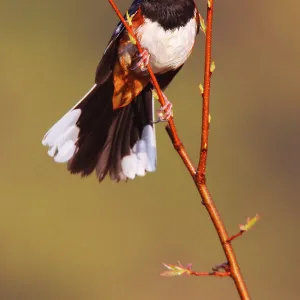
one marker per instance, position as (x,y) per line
(169,14)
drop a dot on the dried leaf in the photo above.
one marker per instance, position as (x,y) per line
(201,88)
(212,66)
(155,95)
(176,270)
(202,24)
(129,20)
(250,223)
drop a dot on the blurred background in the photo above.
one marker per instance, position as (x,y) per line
(63,237)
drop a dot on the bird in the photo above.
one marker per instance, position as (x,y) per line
(111,130)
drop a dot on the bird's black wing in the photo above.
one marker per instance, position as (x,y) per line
(165,79)
(105,66)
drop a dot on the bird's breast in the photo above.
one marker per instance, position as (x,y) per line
(168,49)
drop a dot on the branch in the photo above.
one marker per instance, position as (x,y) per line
(244,228)
(214,273)
(199,175)
(233,237)
(200,178)
(180,270)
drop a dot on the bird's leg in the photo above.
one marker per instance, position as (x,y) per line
(141,62)
(165,112)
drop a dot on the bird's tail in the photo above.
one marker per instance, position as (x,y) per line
(93,136)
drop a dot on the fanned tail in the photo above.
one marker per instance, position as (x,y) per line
(93,136)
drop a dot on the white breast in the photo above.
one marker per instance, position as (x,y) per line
(168,49)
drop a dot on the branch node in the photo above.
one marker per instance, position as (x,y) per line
(200,178)
(233,237)
(224,266)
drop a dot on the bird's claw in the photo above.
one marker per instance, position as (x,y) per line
(165,112)
(142,62)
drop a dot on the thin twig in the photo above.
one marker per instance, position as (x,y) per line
(217,274)
(223,236)
(206,97)
(233,237)
(199,176)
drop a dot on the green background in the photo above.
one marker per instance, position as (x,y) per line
(63,237)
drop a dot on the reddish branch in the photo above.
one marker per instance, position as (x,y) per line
(200,179)
(215,273)
(199,175)
(233,237)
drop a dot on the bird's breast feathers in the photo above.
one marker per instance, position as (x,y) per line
(168,49)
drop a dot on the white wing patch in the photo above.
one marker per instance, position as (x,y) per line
(62,137)
(143,155)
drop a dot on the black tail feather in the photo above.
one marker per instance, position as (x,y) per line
(107,135)
(94,122)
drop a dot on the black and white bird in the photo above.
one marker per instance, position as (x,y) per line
(111,130)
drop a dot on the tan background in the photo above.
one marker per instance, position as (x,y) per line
(64,238)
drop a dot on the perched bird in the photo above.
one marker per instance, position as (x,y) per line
(111,129)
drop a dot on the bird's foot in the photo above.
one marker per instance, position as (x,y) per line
(165,112)
(142,61)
